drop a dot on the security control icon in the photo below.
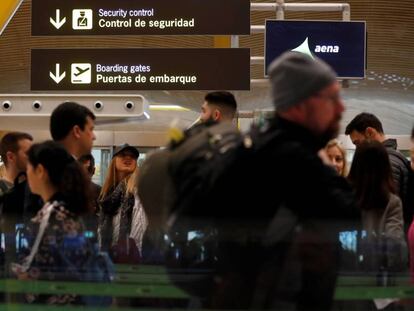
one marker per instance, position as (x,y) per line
(82,19)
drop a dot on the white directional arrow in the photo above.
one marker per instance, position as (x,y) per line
(58,22)
(57,77)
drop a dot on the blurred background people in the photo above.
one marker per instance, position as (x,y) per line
(13,149)
(18,204)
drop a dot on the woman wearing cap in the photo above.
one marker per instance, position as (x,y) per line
(115,198)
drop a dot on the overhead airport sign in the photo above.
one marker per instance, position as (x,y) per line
(140,69)
(140,17)
(341,44)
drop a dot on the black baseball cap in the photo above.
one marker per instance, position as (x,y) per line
(126,147)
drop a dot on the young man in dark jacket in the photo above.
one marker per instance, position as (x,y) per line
(17,203)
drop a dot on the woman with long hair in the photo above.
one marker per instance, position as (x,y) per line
(114,193)
(129,224)
(59,248)
(371,176)
(381,209)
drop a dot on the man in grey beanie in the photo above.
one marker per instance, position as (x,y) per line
(283,205)
(305,91)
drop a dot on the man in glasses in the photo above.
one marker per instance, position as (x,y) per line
(284,206)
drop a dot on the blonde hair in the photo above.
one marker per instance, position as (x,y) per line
(132,182)
(336,143)
(110,180)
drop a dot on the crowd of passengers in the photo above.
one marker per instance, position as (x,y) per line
(47,187)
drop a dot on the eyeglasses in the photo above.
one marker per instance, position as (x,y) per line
(335,99)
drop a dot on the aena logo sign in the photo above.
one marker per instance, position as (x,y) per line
(304,48)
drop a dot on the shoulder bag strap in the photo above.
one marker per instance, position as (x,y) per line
(43,224)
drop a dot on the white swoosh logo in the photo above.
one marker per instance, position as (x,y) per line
(304,48)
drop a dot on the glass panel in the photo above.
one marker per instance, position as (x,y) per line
(102,160)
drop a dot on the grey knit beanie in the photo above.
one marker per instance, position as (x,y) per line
(296,76)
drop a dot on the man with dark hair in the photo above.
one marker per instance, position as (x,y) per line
(72,125)
(218,106)
(13,149)
(366,126)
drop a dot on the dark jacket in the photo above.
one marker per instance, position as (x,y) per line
(91,220)
(400,173)
(270,260)
(17,206)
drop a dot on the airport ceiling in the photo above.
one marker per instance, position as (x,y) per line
(388,90)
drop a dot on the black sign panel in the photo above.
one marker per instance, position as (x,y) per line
(340,44)
(140,17)
(140,69)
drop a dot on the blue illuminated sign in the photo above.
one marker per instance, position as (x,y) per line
(340,44)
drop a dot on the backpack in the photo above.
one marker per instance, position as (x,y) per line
(173,182)
(177,187)
(200,159)
(172,179)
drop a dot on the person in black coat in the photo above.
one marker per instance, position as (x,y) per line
(278,209)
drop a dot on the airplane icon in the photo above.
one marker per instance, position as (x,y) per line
(80,70)
(81,73)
